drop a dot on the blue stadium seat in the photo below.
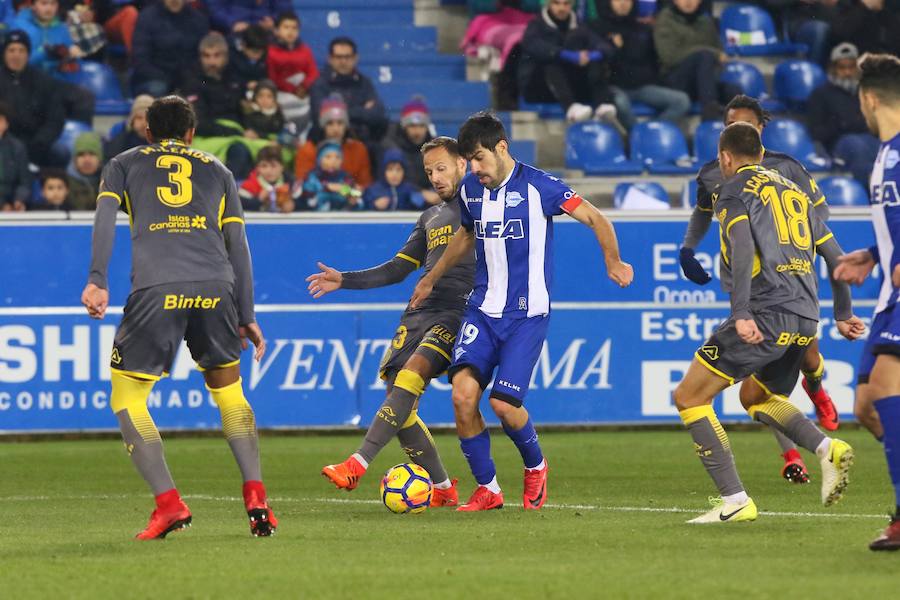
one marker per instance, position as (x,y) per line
(706,140)
(64,145)
(689,193)
(843,191)
(377,41)
(390,70)
(546,110)
(795,80)
(439,95)
(791,137)
(117,128)
(102,81)
(353,16)
(523,151)
(748,30)
(650,188)
(658,145)
(745,76)
(596,148)
(448,122)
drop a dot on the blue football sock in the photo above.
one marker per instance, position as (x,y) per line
(526,440)
(889,411)
(477,450)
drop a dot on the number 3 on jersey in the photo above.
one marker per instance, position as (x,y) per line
(181,190)
(789,211)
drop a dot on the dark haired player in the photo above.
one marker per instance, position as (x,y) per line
(506,215)
(770,239)
(191,279)
(420,350)
(748,110)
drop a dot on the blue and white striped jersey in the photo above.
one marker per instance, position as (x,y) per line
(885,199)
(513,227)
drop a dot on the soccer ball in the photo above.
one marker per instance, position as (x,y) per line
(406,488)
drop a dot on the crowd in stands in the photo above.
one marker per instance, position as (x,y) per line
(310,133)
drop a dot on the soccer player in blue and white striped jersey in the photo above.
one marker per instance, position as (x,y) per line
(506,215)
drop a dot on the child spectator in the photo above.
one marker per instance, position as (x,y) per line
(292,67)
(264,118)
(267,188)
(135,132)
(248,55)
(328,187)
(54,193)
(334,125)
(391,192)
(15,178)
(84,171)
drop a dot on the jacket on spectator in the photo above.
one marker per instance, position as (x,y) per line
(405,196)
(635,63)
(677,36)
(225,13)
(869,30)
(48,42)
(356,90)
(82,190)
(356,161)
(15,178)
(245,69)
(122,141)
(254,184)
(165,41)
(215,99)
(832,112)
(284,64)
(414,166)
(38,112)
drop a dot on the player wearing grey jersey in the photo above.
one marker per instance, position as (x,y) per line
(191,279)
(770,238)
(423,342)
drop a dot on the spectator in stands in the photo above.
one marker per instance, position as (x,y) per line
(367,115)
(334,125)
(871,25)
(87,34)
(561,62)
(409,135)
(83,172)
(391,192)
(691,55)
(235,16)
(165,40)
(51,41)
(328,187)
(634,64)
(134,133)
(248,55)
(263,117)
(15,178)
(54,192)
(835,119)
(37,112)
(292,67)
(268,187)
(119,19)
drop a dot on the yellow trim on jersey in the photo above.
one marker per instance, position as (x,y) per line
(703,362)
(824,238)
(112,195)
(819,201)
(436,349)
(232,220)
(745,167)
(144,376)
(225,366)
(221,210)
(410,259)
(128,209)
(733,221)
(704,209)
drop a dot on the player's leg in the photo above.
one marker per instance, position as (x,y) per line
(794,469)
(693,398)
(813,369)
(864,404)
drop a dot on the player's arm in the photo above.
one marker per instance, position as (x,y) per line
(409,258)
(460,246)
(741,249)
(95,296)
(851,327)
(698,226)
(588,214)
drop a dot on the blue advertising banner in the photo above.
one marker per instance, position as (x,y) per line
(612,355)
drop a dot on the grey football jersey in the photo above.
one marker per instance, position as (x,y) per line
(177,200)
(785,230)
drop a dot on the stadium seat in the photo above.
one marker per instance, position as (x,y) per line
(65,143)
(795,80)
(748,30)
(391,69)
(523,151)
(117,128)
(438,95)
(843,191)
(361,15)
(376,41)
(792,138)
(641,195)
(102,81)
(596,148)
(706,140)
(659,145)
(745,76)
(689,193)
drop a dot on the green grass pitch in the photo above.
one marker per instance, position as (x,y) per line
(614,526)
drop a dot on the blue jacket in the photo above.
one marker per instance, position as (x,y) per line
(225,13)
(43,38)
(405,196)
(165,43)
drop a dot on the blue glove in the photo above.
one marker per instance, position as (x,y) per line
(595,55)
(875,254)
(692,268)
(572,56)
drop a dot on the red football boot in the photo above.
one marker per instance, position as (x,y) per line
(825,410)
(262,520)
(794,469)
(446,497)
(482,499)
(535,491)
(345,475)
(171,514)
(890,537)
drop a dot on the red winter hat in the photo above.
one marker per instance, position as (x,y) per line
(333,109)
(415,112)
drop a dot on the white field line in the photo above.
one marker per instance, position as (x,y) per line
(586,507)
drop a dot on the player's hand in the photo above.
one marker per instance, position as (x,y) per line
(252,332)
(422,291)
(852,328)
(895,277)
(95,300)
(855,267)
(620,272)
(692,268)
(325,281)
(748,331)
